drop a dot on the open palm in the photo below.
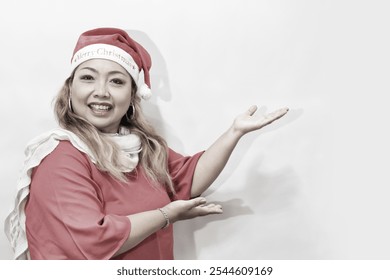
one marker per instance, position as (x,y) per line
(248,121)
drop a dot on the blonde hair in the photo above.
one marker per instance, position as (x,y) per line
(154,154)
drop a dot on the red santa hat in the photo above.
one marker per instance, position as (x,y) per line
(116,45)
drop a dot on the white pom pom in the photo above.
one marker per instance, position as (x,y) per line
(145,92)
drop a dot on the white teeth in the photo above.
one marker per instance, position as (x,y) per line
(100,107)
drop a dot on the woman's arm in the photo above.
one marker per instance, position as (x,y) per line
(208,168)
(214,159)
(146,223)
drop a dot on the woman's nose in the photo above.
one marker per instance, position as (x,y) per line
(101,89)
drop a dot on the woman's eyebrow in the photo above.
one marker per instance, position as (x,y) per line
(89,68)
(110,73)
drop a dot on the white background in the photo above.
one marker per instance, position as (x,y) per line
(314,185)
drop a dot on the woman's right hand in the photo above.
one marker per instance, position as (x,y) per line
(144,224)
(187,209)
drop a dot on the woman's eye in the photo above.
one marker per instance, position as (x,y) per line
(117,81)
(86,77)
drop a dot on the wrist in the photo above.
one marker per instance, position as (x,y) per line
(166,217)
(234,133)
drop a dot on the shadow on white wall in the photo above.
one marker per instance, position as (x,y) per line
(269,192)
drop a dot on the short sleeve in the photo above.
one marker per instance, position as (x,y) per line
(182,170)
(65,216)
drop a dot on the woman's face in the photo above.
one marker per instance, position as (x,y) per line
(101,93)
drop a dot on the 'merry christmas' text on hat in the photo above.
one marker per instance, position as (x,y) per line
(115,45)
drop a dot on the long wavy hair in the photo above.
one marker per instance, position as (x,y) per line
(154,154)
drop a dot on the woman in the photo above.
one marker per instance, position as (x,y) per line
(105,185)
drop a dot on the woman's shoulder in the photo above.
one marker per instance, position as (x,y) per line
(66,147)
(65,157)
(174,155)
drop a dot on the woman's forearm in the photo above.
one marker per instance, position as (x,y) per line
(142,225)
(213,160)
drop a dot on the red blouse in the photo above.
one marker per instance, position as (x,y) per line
(75,211)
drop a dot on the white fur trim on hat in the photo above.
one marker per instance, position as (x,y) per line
(109,52)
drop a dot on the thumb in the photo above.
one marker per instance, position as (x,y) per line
(252,109)
(198,201)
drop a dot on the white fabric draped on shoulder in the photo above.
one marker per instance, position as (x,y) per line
(36,150)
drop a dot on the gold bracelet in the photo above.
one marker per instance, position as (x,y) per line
(167,222)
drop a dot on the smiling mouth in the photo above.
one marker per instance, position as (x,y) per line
(99,108)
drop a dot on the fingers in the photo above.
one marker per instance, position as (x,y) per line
(197,202)
(269,117)
(213,208)
(208,209)
(189,209)
(276,114)
(200,208)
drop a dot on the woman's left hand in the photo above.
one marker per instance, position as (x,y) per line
(248,121)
